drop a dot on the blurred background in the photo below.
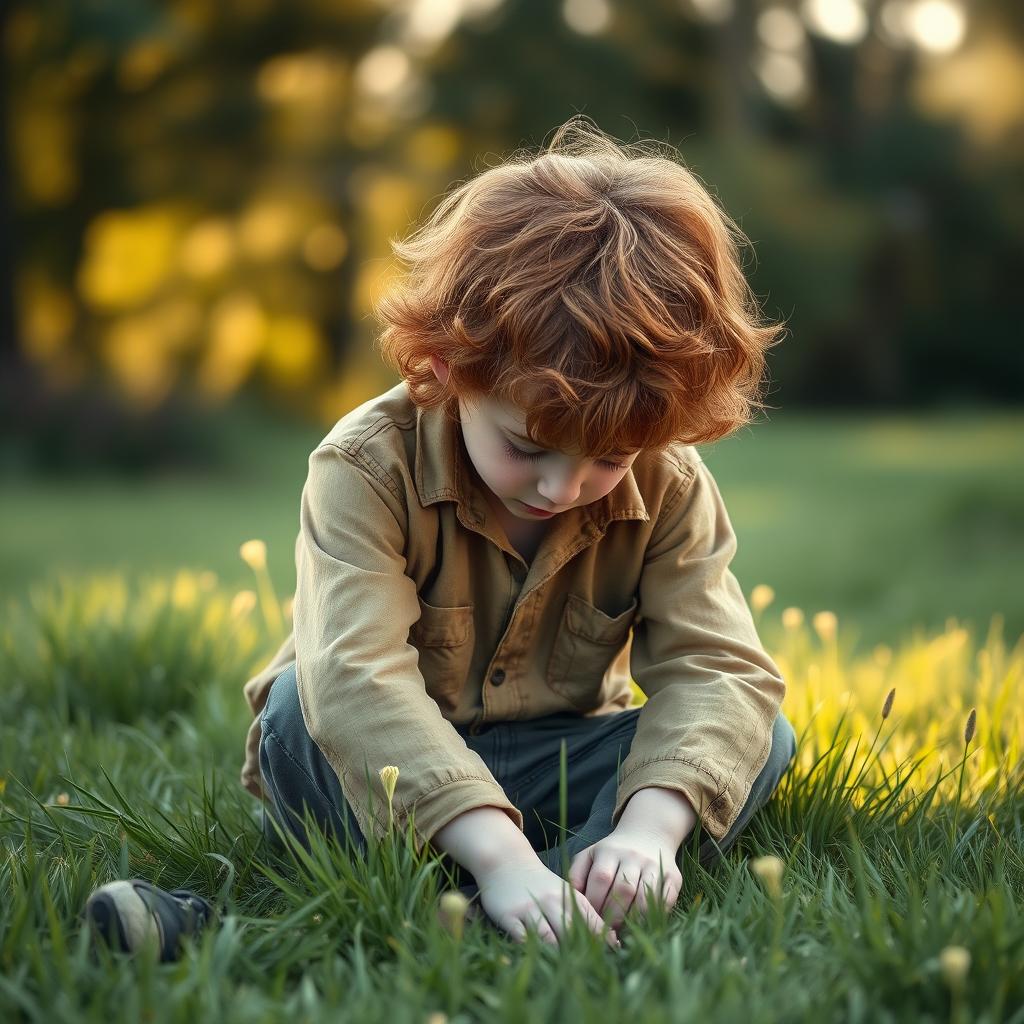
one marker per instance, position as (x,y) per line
(198,200)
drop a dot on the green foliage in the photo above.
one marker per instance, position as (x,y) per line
(106,649)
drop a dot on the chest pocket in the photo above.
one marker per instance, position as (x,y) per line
(444,639)
(585,645)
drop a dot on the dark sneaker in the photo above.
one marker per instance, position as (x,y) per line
(128,915)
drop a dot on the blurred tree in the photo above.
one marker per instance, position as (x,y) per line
(203,194)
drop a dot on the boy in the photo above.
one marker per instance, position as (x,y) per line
(491,549)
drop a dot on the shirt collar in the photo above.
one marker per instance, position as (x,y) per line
(444,473)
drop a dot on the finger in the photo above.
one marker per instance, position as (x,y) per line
(670,904)
(621,898)
(669,894)
(623,893)
(646,892)
(599,926)
(543,929)
(581,868)
(599,887)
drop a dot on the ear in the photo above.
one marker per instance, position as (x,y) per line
(440,369)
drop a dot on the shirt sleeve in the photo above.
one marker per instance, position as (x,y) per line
(712,691)
(362,696)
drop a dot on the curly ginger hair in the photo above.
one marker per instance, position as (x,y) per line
(596,285)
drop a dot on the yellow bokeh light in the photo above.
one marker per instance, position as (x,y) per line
(128,255)
(47,316)
(324,246)
(842,21)
(387,201)
(294,353)
(587,17)
(306,78)
(982,84)
(782,74)
(132,350)
(373,278)
(267,229)
(936,25)
(383,71)
(142,63)
(208,248)
(177,320)
(353,385)
(238,327)
(780,28)
(42,148)
(433,147)
(715,11)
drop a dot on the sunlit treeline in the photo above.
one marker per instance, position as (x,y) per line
(204,196)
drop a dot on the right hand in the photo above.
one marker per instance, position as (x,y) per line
(517,895)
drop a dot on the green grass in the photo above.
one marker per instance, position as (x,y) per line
(890,522)
(900,841)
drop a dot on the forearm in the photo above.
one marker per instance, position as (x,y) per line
(667,812)
(481,838)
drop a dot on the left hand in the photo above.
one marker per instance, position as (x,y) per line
(615,872)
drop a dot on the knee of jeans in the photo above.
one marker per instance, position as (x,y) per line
(282,716)
(282,706)
(783,745)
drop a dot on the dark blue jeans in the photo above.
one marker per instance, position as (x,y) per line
(523,756)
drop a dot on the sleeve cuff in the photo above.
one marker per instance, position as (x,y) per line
(432,811)
(715,806)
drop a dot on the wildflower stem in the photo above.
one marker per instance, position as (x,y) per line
(269,604)
(959,793)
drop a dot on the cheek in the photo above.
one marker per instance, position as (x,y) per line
(511,476)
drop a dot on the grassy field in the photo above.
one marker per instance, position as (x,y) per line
(901,833)
(891,523)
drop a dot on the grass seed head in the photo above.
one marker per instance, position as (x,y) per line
(972,721)
(887,706)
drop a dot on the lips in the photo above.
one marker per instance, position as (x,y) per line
(539,511)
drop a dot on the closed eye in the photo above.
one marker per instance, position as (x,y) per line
(515,453)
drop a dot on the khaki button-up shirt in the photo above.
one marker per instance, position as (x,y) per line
(413,611)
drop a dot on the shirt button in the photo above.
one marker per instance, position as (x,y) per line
(498,676)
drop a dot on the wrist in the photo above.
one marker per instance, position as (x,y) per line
(482,838)
(663,813)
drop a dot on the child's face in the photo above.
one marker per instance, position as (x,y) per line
(554,481)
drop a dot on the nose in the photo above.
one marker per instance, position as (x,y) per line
(562,488)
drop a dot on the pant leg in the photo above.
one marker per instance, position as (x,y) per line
(297,776)
(296,773)
(595,747)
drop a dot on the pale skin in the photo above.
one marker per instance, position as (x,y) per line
(620,873)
